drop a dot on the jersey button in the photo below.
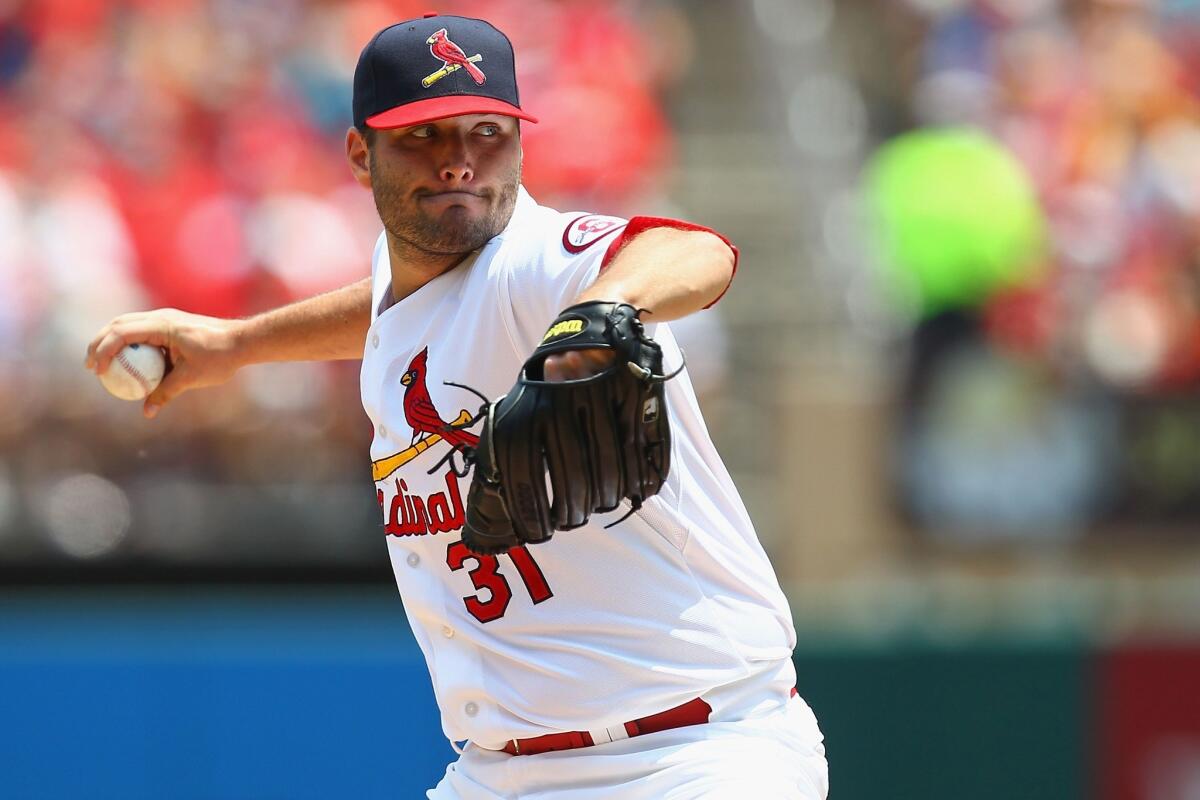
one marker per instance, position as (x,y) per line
(382,432)
(471,709)
(413,559)
(375,341)
(447,631)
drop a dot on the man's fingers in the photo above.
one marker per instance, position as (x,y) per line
(105,350)
(117,335)
(575,364)
(598,358)
(90,362)
(563,366)
(174,383)
(554,368)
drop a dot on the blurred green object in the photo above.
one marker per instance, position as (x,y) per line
(956,218)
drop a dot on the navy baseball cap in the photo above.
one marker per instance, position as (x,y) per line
(432,68)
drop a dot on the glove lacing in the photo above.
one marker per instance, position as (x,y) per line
(468,453)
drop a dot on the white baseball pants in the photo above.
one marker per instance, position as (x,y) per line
(780,756)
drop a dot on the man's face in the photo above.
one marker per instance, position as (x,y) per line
(448,186)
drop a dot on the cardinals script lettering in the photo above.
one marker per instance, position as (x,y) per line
(412,515)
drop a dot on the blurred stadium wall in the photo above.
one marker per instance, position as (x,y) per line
(955,380)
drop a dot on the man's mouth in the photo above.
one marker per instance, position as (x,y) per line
(450,195)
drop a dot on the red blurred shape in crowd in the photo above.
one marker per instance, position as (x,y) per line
(204,123)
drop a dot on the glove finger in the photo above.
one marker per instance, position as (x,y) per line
(567,459)
(487,529)
(517,450)
(607,456)
(656,426)
(656,432)
(626,407)
(646,439)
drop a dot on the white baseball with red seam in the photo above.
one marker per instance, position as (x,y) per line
(134,372)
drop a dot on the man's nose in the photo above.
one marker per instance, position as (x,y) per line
(456,162)
(457,173)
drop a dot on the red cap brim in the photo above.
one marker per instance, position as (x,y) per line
(436,108)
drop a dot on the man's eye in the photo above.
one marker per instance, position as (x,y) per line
(490,130)
(423,132)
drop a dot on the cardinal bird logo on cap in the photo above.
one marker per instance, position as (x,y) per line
(453,58)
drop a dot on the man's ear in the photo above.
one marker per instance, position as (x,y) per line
(359,156)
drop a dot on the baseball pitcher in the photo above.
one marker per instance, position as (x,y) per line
(598,616)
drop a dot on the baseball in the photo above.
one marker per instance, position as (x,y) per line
(135,372)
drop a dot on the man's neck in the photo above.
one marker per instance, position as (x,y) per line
(412,267)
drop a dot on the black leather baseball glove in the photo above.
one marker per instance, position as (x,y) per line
(602,439)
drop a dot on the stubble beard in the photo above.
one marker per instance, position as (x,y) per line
(454,232)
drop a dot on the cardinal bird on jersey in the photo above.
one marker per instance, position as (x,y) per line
(451,53)
(419,411)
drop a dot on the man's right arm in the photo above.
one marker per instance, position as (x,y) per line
(207,351)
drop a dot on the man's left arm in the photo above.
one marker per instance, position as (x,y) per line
(668,272)
(662,268)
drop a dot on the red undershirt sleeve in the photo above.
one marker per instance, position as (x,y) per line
(638,224)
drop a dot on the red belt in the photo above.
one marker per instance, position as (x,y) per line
(693,712)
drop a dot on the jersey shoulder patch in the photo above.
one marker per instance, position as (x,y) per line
(585,231)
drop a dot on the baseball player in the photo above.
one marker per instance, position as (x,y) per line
(598,616)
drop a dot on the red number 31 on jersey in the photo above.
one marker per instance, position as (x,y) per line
(486,576)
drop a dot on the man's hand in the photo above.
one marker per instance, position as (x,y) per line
(206,351)
(577,363)
(201,351)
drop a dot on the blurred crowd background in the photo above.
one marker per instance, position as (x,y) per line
(191,154)
(956,379)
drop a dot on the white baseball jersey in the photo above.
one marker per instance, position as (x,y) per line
(595,627)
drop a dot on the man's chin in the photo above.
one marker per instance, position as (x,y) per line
(453,232)
(457,218)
